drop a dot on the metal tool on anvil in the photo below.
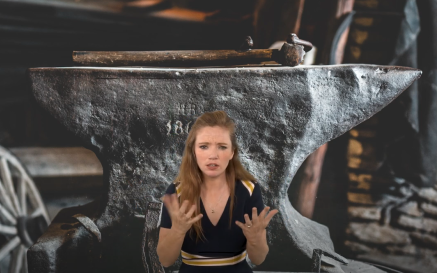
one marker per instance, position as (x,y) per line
(291,54)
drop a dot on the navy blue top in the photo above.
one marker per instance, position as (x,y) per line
(221,241)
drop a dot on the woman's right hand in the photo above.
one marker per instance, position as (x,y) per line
(181,221)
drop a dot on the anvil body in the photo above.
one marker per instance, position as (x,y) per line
(136,120)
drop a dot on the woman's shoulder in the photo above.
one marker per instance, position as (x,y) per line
(246,186)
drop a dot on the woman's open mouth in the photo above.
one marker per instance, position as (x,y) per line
(212,166)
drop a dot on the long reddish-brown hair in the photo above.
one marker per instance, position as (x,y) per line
(190,176)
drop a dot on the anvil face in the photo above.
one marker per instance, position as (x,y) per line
(136,120)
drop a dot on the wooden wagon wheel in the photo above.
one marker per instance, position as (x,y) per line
(23,216)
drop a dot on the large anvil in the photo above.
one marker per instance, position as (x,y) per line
(136,120)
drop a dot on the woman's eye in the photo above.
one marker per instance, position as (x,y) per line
(223,147)
(203,147)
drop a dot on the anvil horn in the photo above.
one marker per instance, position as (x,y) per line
(136,120)
(345,98)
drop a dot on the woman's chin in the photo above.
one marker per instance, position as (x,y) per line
(212,174)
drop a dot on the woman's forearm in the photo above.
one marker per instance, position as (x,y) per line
(257,251)
(169,247)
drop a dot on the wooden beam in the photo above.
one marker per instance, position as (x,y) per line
(343,7)
(314,163)
(62,170)
(275,20)
(310,182)
(58,162)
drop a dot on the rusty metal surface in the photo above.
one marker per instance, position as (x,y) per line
(89,225)
(294,40)
(66,246)
(136,121)
(291,55)
(150,239)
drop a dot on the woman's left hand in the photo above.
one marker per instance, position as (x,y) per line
(254,229)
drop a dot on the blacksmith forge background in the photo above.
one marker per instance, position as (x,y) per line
(374,187)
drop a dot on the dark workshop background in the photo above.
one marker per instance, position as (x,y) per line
(374,187)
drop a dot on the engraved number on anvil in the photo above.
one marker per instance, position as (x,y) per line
(177,127)
(185,109)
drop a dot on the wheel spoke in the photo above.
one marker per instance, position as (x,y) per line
(16,261)
(7,215)
(36,200)
(8,230)
(36,213)
(9,246)
(25,270)
(9,186)
(33,202)
(22,195)
(4,197)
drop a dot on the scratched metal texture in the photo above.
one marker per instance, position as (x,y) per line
(136,121)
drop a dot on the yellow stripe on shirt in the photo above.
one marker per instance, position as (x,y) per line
(249,186)
(209,261)
(178,190)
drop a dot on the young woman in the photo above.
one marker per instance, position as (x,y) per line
(221,217)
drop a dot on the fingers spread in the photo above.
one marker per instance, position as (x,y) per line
(262,215)
(254,215)
(184,207)
(191,211)
(241,225)
(270,216)
(174,201)
(195,219)
(168,202)
(247,219)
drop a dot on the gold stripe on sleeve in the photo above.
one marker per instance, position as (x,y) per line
(249,186)
(178,190)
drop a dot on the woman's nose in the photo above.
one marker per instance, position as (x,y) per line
(213,154)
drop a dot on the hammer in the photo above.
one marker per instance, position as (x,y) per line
(291,54)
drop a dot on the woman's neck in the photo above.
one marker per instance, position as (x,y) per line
(214,184)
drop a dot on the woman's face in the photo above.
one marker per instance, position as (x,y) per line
(213,150)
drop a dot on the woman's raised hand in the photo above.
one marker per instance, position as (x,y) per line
(181,220)
(254,229)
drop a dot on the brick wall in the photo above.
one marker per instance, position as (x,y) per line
(391,221)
